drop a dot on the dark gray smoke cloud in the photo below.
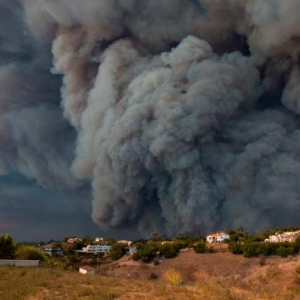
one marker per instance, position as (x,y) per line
(182,114)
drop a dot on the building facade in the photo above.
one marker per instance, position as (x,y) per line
(218,237)
(97,249)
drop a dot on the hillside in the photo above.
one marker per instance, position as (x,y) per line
(219,275)
(241,277)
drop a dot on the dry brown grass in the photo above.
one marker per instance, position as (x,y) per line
(203,276)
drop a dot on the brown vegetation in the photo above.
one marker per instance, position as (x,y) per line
(219,275)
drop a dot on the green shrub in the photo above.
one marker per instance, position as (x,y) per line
(136,256)
(68,248)
(236,248)
(181,244)
(284,251)
(146,252)
(117,251)
(168,250)
(297,245)
(200,247)
(30,252)
(249,249)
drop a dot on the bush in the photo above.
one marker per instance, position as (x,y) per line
(234,237)
(174,277)
(297,244)
(30,252)
(68,248)
(284,251)
(146,252)
(136,256)
(200,247)
(117,251)
(262,259)
(236,248)
(249,249)
(168,250)
(153,276)
(156,262)
(181,244)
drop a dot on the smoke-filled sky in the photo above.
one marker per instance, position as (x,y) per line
(168,115)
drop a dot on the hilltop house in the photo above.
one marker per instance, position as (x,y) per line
(98,239)
(96,249)
(74,240)
(218,237)
(131,250)
(52,250)
(288,236)
(124,242)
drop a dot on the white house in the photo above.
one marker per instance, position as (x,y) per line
(74,240)
(96,249)
(87,270)
(52,250)
(288,236)
(131,250)
(218,237)
(125,242)
(98,239)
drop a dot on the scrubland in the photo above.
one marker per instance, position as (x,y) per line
(220,275)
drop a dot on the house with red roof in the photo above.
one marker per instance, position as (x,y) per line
(218,237)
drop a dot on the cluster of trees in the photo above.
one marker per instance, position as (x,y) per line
(11,250)
(148,250)
(240,235)
(241,242)
(250,249)
(69,248)
(201,247)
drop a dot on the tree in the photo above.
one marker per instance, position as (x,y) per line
(117,251)
(200,247)
(7,247)
(29,252)
(154,235)
(87,240)
(68,248)
(146,252)
(236,248)
(239,230)
(284,251)
(178,235)
(168,250)
(297,244)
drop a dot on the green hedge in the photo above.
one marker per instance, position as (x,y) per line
(250,249)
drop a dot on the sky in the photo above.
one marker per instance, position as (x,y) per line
(123,117)
(31,213)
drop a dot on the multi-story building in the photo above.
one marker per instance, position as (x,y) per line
(97,249)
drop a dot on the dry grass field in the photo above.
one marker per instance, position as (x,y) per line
(220,275)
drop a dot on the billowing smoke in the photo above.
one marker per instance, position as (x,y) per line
(183,114)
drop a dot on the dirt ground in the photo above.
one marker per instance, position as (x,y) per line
(277,278)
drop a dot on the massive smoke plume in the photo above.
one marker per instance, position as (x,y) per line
(183,114)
